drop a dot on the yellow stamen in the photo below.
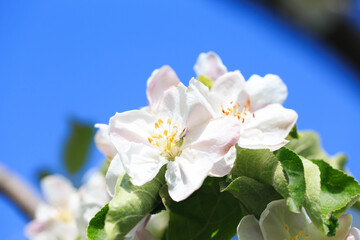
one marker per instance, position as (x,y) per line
(157,136)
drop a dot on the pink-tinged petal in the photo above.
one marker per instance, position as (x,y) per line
(249,229)
(223,167)
(268,129)
(265,90)
(354,234)
(200,110)
(139,232)
(159,81)
(57,190)
(131,126)
(230,89)
(215,137)
(187,172)
(115,170)
(210,65)
(103,142)
(142,163)
(34,228)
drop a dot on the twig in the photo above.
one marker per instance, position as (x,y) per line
(18,191)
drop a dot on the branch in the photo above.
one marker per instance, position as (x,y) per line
(18,191)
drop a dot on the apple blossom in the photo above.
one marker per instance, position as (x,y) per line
(67,211)
(55,219)
(181,134)
(256,104)
(277,222)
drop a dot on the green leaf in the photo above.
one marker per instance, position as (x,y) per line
(206,214)
(96,229)
(312,203)
(293,134)
(131,204)
(339,192)
(255,196)
(78,146)
(206,81)
(308,145)
(284,172)
(294,173)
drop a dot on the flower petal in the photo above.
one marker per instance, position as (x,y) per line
(57,190)
(249,229)
(277,222)
(94,190)
(131,126)
(159,81)
(215,137)
(265,90)
(224,166)
(142,163)
(174,104)
(200,110)
(268,129)
(230,88)
(115,170)
(84,214)
(187,173)
(354,234)
(102,140)
(210,65)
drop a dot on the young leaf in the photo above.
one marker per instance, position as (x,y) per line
(96,229)
(294,169)
(77,146)
(284,172)
(206,214)
(131,204)
(339,192)
(312,203)
(293,134)
(255,196)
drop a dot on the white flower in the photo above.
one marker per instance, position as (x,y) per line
(55,219)
(180,135)
(67,211)
(277,222)
(265,123)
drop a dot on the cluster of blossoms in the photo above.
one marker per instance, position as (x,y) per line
(196,131)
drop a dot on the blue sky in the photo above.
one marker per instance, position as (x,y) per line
(90,59)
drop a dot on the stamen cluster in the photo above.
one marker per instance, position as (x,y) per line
(166,139)
(241,113)
(299,236)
